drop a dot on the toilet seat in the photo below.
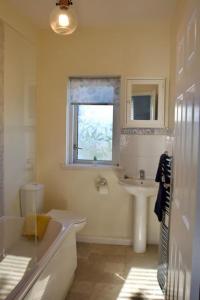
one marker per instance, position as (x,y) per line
(66,217)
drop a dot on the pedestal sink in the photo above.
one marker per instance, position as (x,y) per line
(141,190)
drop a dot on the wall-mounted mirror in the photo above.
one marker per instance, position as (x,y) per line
(145,102)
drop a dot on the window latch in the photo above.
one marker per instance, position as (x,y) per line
(76,147)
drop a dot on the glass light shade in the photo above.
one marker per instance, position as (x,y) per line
(63,20)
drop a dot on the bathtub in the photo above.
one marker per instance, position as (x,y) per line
(32,270)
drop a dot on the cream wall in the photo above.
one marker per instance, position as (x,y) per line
(18,22)
(138,50)
(19,72)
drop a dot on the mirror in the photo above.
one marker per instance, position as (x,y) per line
(145,102)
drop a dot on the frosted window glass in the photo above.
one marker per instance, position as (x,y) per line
(95,125)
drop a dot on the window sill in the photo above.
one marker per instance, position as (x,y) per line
(65,166)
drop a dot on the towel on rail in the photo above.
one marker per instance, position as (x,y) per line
(163,177)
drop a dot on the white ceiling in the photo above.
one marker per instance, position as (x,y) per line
(99,12)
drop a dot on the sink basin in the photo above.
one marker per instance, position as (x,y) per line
(135,187)
(141,191)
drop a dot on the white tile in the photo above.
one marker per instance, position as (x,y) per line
(148,164)
(141,152)
(150,145)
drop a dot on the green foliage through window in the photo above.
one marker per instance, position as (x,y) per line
(95,132)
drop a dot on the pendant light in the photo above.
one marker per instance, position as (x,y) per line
(63,18)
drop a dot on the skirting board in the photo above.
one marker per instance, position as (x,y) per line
(103,240)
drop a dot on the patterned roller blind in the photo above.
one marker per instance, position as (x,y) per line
(104,90)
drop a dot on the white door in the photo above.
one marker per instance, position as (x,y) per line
(184,257)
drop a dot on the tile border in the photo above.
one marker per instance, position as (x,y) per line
(146,131)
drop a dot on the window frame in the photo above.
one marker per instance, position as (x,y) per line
(72,136)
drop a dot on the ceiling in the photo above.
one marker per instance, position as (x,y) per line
(99,12)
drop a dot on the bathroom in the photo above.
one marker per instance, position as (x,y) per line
(119,41)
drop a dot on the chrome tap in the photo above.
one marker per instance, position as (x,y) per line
(142,174)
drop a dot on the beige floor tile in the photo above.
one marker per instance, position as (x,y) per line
(112,278)
(115,273)
(83,250)
(149,259)
(83,287)
(77,296)
(102,258)
(90,272)
(108,249)
(103,291)
(114,268)
(151,249)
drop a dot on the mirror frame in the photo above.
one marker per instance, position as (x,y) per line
(159,123)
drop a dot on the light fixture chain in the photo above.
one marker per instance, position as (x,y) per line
(64,3)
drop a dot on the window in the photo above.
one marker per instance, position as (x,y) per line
(94,120)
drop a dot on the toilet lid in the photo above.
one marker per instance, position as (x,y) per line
(66,216)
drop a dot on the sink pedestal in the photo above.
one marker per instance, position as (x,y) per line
(140,190)
(140,224)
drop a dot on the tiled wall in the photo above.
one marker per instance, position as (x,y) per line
(1,113)
(139,151)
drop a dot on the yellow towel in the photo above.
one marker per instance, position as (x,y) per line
(35,226)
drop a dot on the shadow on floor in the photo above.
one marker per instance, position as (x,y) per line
(137,296)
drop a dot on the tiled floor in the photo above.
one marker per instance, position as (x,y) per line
(115,273)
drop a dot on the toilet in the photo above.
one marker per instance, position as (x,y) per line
(32,202)
(68,217)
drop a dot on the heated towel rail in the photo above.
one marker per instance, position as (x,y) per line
(164,228)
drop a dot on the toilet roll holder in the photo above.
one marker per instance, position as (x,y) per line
(101,182)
